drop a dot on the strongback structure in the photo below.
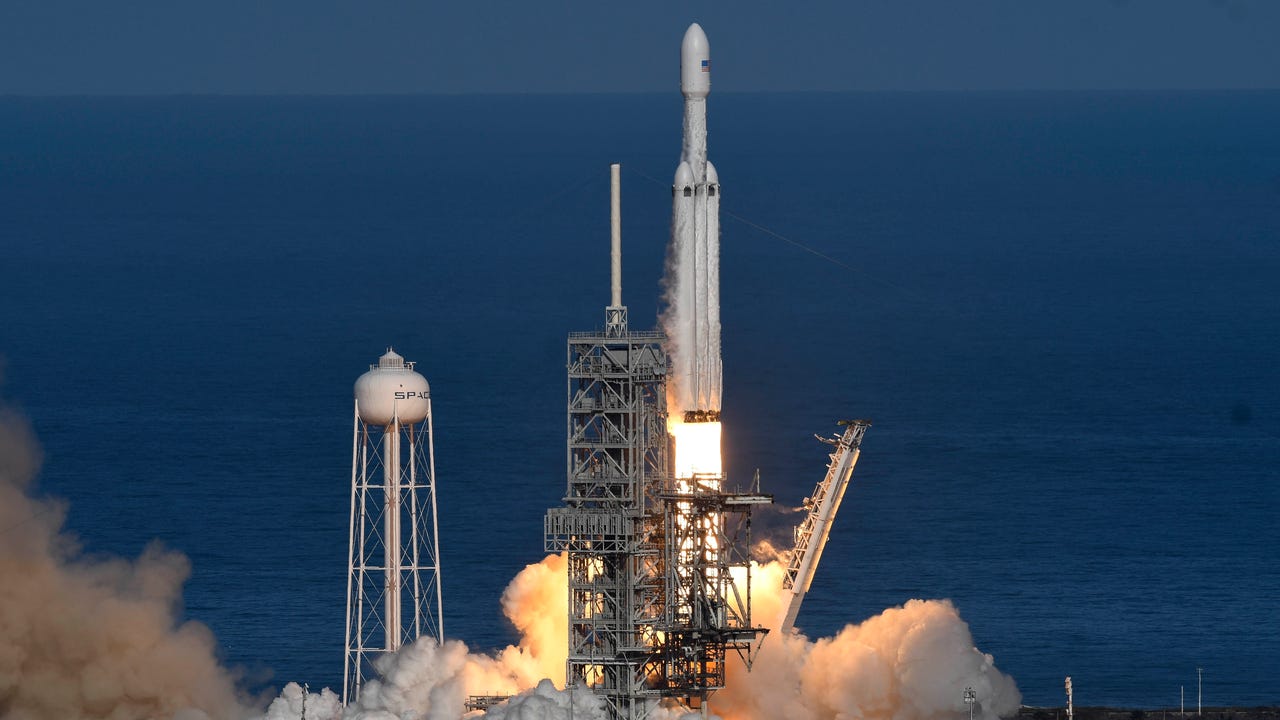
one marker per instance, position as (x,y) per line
(653,602)
(393,572)
(811,534)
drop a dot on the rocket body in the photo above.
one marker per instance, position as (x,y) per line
(695,327)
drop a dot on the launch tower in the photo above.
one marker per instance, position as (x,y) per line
(654,605)
(611,527)
(393,573)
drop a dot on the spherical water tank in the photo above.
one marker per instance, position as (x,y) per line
(391,390)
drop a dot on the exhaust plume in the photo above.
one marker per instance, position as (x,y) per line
(908,663)
(429,681)
(90,639)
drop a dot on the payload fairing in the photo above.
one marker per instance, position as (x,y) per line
(694,329)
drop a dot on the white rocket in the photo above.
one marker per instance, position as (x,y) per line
(694,329)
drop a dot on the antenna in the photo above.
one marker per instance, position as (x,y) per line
(1199,673)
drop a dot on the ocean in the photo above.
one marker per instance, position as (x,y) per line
(1061,311)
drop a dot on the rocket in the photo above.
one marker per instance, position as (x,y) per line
(695,301)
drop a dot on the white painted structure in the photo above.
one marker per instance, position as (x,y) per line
(811,535)
(694,329)
(616,313)
(393,573)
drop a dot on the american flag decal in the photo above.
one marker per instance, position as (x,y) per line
(706,66)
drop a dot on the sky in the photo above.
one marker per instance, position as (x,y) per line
(142,47)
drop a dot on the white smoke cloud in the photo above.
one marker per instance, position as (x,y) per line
(429,681)
(545,702)
(908,663)
(294,702)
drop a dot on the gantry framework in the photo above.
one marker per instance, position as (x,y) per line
(653,602)
(611,527)
(707,605)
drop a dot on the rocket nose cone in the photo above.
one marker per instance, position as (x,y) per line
(695,42)
(695,63)
(684,176)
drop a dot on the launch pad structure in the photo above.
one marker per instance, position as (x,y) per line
(657,546)
(654,604)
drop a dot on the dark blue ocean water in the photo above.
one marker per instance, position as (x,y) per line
(1062,312)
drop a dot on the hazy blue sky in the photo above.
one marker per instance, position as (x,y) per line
(396,46)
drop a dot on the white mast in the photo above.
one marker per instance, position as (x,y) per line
(615,315)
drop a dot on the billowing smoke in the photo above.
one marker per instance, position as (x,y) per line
(88,639)
(430,681)
(908,663)
(434,694)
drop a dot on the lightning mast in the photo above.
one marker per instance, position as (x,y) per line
(812,534)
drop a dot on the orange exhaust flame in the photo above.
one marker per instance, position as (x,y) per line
(697,448)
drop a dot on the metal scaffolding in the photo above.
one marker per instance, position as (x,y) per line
(654,605)
(611,527)
(706,612)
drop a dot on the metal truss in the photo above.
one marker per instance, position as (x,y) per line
(707,613)
(655,600)
(811,535)
(610,527)
(393,579)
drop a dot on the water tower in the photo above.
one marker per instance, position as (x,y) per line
(393,573)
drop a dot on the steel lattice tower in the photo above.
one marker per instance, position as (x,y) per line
(653,605)
(617,459)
